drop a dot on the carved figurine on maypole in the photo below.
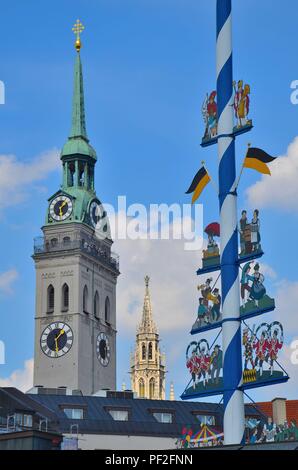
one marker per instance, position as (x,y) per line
(260,352)
(250,236)
(211,256)
(209,112)
(241,105)
(209,309)
(255,300)
(205,368)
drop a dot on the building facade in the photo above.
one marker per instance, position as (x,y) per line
(76,272)
(110,420)
(147,362)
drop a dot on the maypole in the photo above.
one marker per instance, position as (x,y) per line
(231,326)
(258,347)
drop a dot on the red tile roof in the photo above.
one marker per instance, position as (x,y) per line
(265,407)
(291,408)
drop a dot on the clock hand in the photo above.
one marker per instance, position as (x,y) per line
(56,340)
(61,207)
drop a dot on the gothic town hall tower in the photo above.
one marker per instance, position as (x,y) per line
(147,362)
(76,272)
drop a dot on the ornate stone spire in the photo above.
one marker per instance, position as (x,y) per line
(147,324)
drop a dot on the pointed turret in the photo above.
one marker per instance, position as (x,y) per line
(147,324)
(147,367)
(78,142)
(78,127)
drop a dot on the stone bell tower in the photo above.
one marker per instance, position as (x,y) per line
(76,272)
(147,362)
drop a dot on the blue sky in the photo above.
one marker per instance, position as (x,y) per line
(147,66)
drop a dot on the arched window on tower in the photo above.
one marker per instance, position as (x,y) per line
(143,352)
(141,388)
(96,305)
(150,351)
(70,174)
(65,297)
(81,174)
(151,388)
(85,300)
(107,310)
(66,241)
(50,299)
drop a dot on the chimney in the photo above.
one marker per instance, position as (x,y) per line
(279,410)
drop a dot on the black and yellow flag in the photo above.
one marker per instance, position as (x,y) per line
(198,184)
(257,159)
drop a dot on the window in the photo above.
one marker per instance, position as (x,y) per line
(65,297)
(74,413)
(206,419)
(163,417)
(143,351)
(107,310)
(85,300)
(54,242)
(81,174)
(23,420)
(151,388)
(141,388)
(51,299)
(119,415)
(150,351)
(96,305)
(71,173)
(27,421)
(66,241)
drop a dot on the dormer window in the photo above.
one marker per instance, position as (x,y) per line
(74,413)
(118,414)
(163,417)
(205,418)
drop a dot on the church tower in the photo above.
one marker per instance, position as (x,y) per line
(147,363)
(76,272)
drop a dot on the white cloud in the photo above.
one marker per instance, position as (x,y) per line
(280,189)
(172,270)
(6,280)
(17,178)
(173,283)
(21,379)
(286,306)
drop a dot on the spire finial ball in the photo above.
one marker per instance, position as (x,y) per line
(78,28)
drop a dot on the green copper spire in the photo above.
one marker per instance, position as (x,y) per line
(78,143)
(78,127)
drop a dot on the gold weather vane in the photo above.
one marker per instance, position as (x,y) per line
(78,28)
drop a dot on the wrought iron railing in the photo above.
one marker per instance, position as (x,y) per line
(43,245)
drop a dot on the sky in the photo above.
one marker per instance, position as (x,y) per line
(147,66)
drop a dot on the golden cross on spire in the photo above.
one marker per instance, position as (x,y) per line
(78,28)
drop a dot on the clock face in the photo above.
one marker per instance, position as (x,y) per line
(103,349)
(61,208)
(96,213)
(56,339)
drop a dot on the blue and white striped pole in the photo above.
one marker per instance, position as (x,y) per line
(231,327)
